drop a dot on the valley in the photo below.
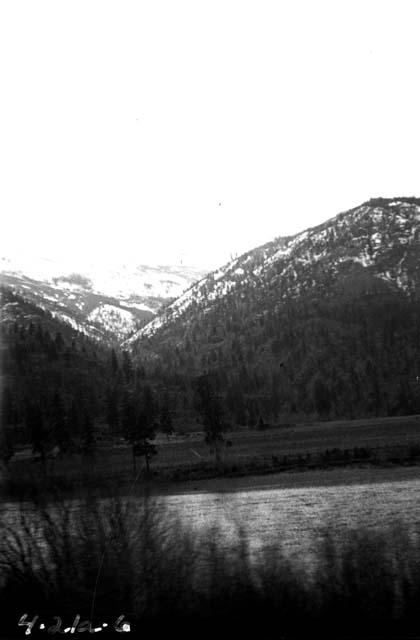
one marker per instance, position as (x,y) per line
(320,329)
(253,432)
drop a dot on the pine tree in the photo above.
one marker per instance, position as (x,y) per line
(165,420)
(112,412)
(8,412)
(208,405)
(321,397)
(114,363)
(59,427)
(88,437)
(6,445)
(36,429)
(128,416)
(74,420)
(58,341)
(127,366)
(145,430)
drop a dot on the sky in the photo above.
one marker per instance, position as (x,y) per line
(190,131)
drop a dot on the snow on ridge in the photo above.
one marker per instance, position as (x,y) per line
(63,317)
(173,311)
(63,283)
(111,310)
(139,306)
(112,318)
(363,259)
(401,204)
(294,251)
(218,285)
(146,331)
(314,257)
(386,275)
(221,284)
(219,273)
(69,320)
(115,280)
(285,251)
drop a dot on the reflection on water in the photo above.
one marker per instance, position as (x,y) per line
(295,518)
(300,516)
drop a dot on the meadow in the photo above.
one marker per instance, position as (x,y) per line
(182,457)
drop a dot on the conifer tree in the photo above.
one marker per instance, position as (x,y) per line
(145,430)
(88,437)
(165,419)
(36,430)
(208,405)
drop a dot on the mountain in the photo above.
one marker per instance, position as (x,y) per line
(323,324)
(103,301)
(379,239)
(335,306)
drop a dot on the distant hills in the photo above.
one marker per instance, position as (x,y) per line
(104,302)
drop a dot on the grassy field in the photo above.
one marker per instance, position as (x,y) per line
(380,441)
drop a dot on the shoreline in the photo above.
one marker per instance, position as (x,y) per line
(333,476)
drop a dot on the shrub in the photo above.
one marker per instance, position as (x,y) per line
(133,557)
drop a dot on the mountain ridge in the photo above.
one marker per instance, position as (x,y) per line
(268,259)
(325,322)
(103,302)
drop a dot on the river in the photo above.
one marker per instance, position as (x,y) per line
(274,511)
(298,517)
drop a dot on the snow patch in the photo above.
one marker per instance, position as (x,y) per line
(114,319)
(363,259)
(139,306)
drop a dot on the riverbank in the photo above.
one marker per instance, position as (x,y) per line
(215,482)
(367,474)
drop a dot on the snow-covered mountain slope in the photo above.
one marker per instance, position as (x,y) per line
(100,300)
(114,320)
(379,239)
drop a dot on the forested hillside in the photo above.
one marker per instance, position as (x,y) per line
(60,388)
(325,323)
(351,355)
(53,378)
